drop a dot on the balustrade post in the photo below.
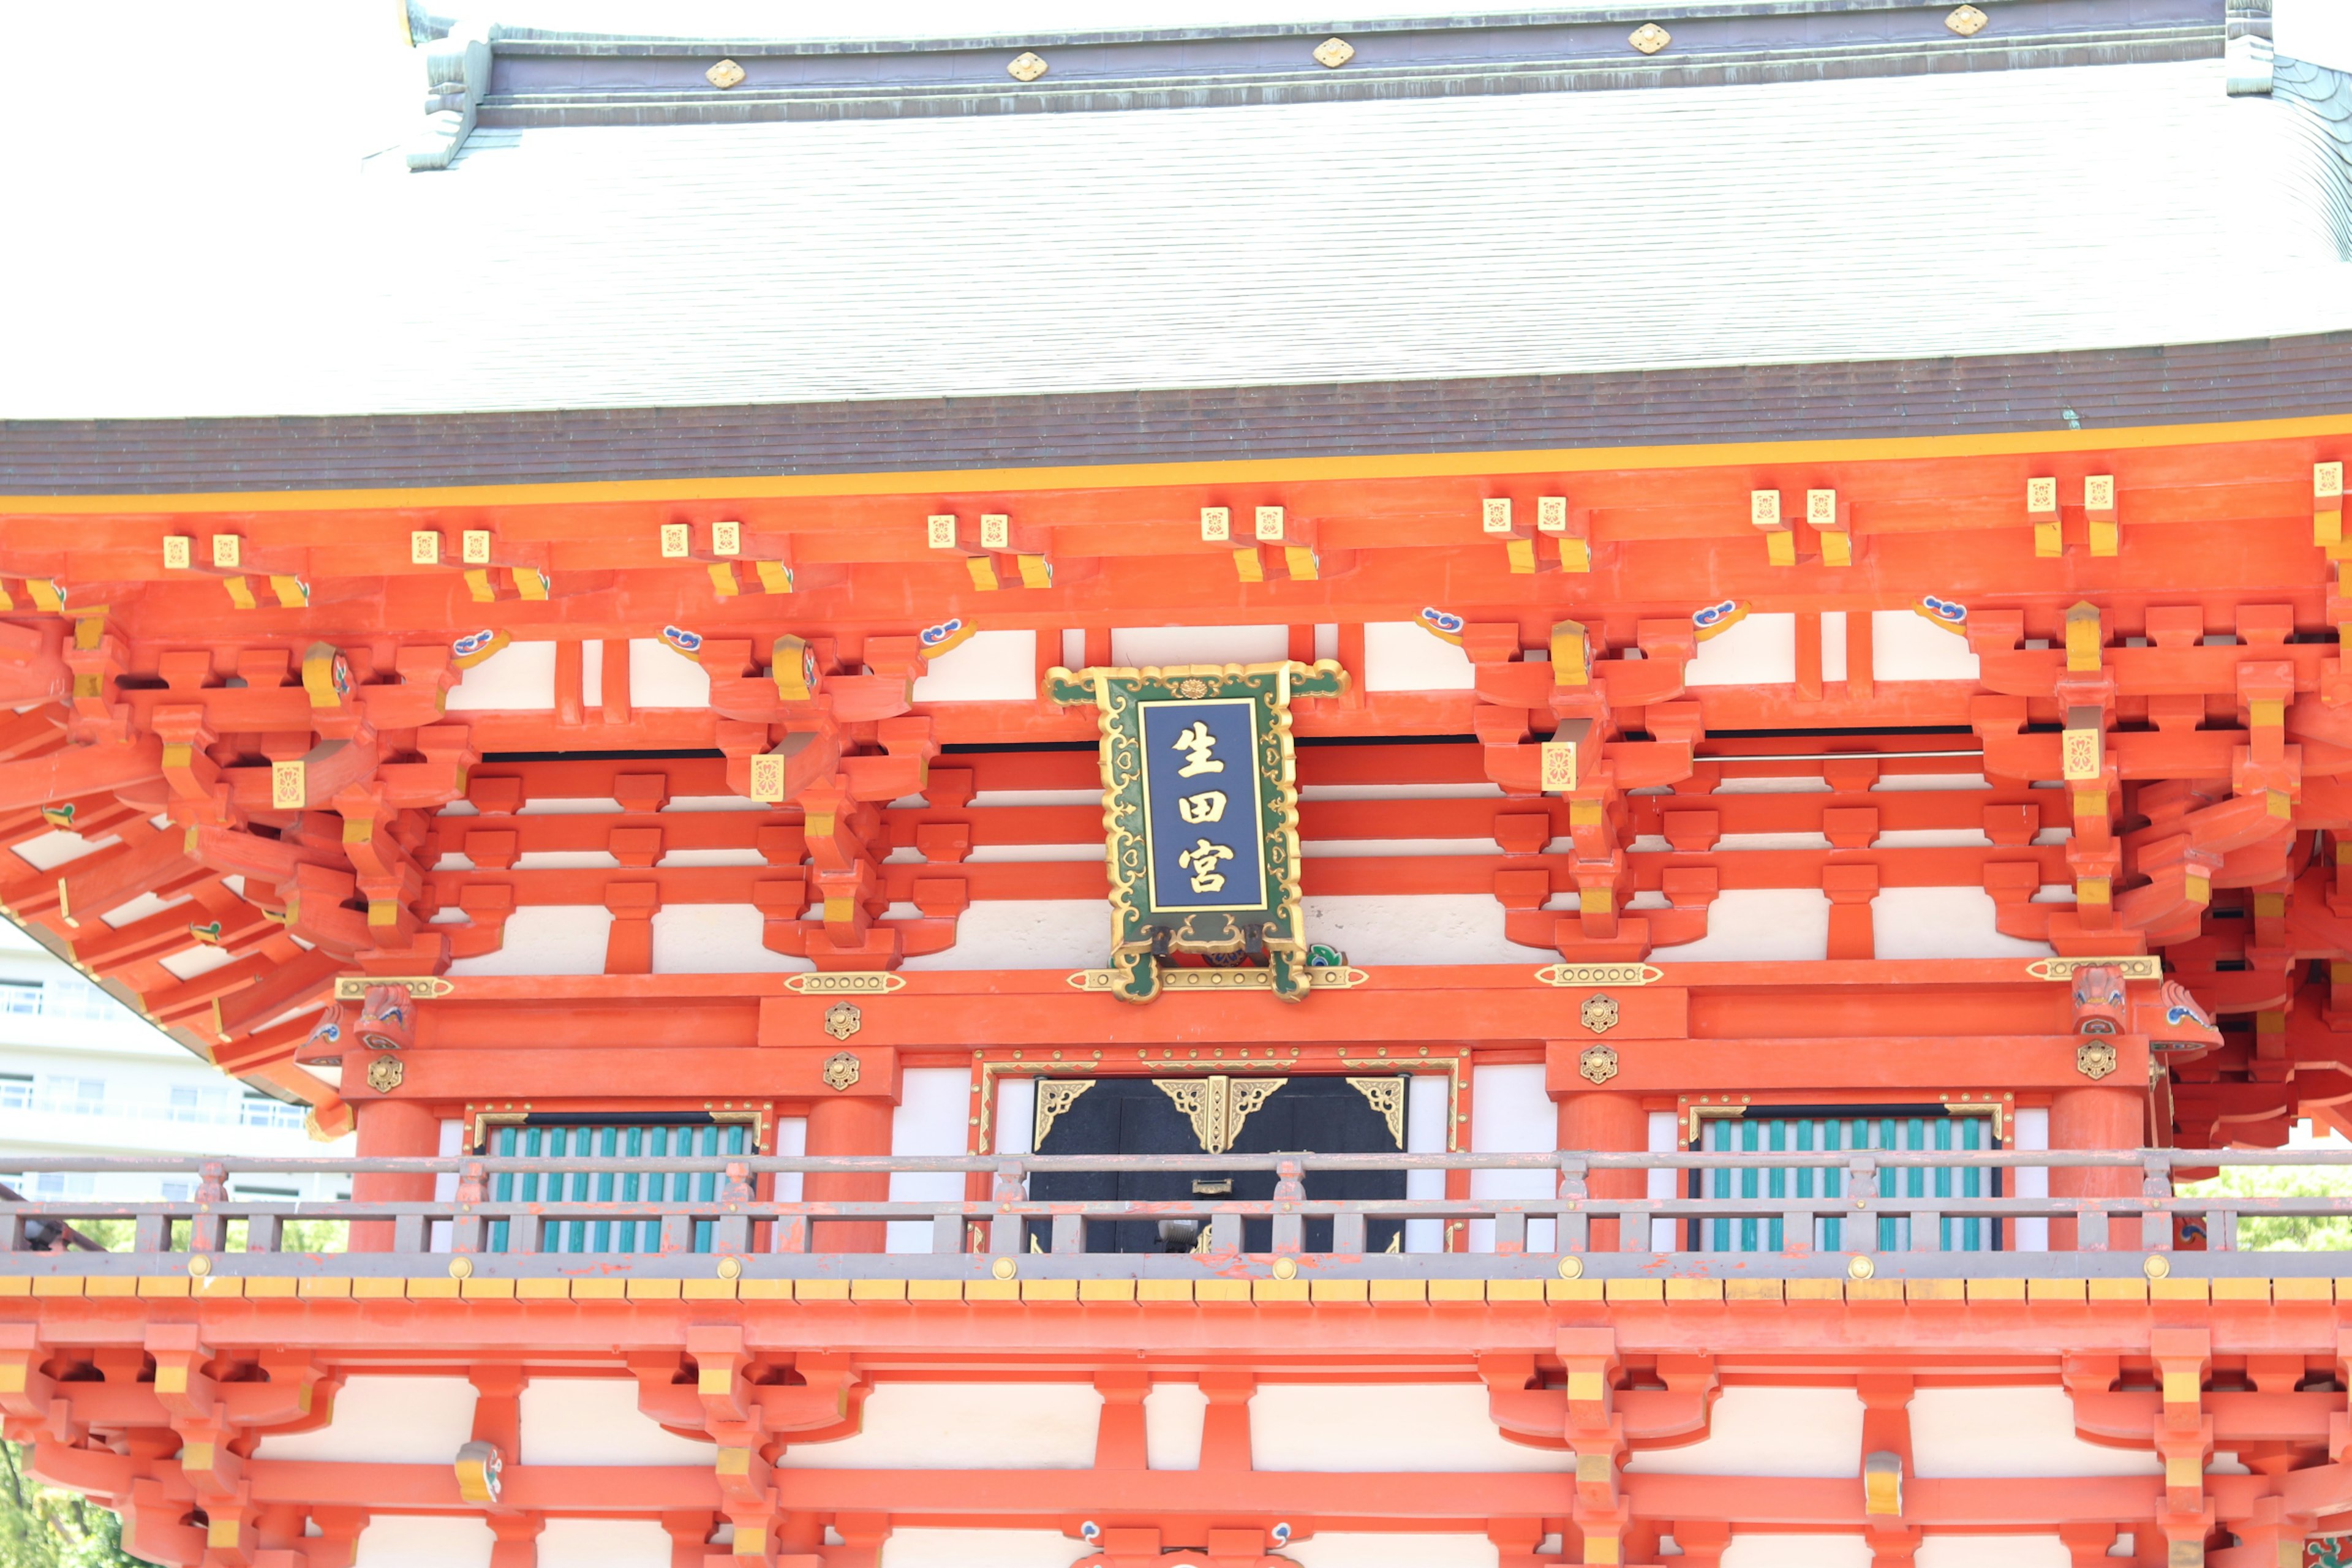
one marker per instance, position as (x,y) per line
(2156,1186)
(207,1231)
(1289,1191)
(1004,1229)
(1575,1225)
(731,1231)
(465,1226)
(1860,1231)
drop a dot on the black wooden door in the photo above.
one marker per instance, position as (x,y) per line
(1249,1115)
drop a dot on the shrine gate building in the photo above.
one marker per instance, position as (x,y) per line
(1523,789)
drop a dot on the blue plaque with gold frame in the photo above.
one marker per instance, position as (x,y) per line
(1201,813)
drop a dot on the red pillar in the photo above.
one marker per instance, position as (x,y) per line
(389,1129)
(2094,1119)
(1614,1122)
(847,1125)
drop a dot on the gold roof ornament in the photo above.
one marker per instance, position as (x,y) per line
(1026,65)
(1967,21)
(1333,53)
(1649,37)
(723,75)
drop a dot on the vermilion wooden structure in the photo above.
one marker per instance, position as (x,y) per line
(262,756)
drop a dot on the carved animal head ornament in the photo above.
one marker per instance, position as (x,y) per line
(2098,1001)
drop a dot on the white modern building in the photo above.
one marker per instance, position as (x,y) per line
(83,1074)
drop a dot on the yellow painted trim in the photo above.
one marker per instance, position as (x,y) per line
(653,1289)
(820,1289)
(1106,1289)
(1456,1290)
(543,1289)
(1155,1290)
(1935,1290)
(2240,1290)
(710,1290)
(1135,476)
(1997,1289)
(1358,1292)
(764,1289)
(2118,1289)
(1751,1291)
(1279,1290)
(1693,1290)
(111,1285)
(431,1290)
(268,1285)
(1635,1291)
(1571,1290)
(487,1289)
(1814,1289)
(1221,1291)
(2056,1290)
(997,1291)
(1049,1291)
(2302,1289)
(1515,1289)
(2175,1289)
(934,1290)
(599,1290)
(877,1289)
(1398,1290)
(16,1285)
(1873,1290)
(161,1284)
(56,1284)
(368,1287)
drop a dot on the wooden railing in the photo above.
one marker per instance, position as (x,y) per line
(2140,1224)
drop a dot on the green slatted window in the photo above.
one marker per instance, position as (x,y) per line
(1838,1135)
(632,1142)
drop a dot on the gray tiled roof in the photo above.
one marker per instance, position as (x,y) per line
(2013,211)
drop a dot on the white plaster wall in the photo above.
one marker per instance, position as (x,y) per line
(387,1421)
(792,1138)
(546,938)
(1427,1109)
(2030,1129)
(1834,645)
(2016,1431)
(190,962)
(47,851)
(1943,922)
(603,1544)
(992,666)
(1511,1114)
(967,1426)
(1338,1427)
(1400,657)
(1026,933)
(933,1117)
(1366,1549)
(1758,1431)
(1797,1551)
(1931,781)
(1017,1115)
(1759,924)
(661,677)
(1759,651)
(521,675)
(1173,1416)
(981,1549)
(716,939)
(1992,1552)
(1908,646)
(1415,927)
(1147,646)
(416,1541)
(595,1421)
(1665,1137)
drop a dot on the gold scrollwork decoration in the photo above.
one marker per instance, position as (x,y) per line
(2141,967)
(1055,1095)
(1336,977)
(422,988)
(1244,1095)
(1386,1097)
(854,982)
(1196,1104)
(1579,975)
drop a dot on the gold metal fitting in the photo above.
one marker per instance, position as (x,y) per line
(1572,1269)
(1859,1267)
(1285,1269)
(2156,1266)
(1003,1268)
(461,1269)
(200,1265)
(730,1268)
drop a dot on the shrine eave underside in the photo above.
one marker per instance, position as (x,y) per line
(1674,417)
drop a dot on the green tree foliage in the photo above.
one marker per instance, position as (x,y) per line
(42,1527)
(2284,1233)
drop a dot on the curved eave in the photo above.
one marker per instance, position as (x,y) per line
(2182,395)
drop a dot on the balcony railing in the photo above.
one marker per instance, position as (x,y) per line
(2137,1228)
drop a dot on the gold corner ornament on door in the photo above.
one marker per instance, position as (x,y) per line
(1218,1105)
